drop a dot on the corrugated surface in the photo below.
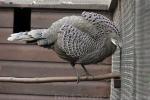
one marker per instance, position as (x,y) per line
(135,57)
(128,61)
(127,20)
(142,45)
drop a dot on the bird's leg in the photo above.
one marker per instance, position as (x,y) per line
(76,71)
(86,71)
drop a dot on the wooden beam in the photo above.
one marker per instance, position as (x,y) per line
(58,6)
(58,79)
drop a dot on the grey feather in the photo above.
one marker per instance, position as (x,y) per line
(74,42)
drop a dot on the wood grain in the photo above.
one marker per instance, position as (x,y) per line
(5,33)
(31,53)
(85,89)
(59,79)
(41,69)
(6,18)
(36,97)
(44,18)
(27,53)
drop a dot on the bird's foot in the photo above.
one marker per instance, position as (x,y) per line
(78,79)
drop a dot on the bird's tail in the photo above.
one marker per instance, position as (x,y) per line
(32,35)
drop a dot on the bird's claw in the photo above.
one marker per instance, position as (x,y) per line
(78,79)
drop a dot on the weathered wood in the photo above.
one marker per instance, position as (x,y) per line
(6,18)
(32,61)
(5,33)
(86,89)
(60,6)
(58,79)
(30,53)
(36,97)
(39,69)
(44,18)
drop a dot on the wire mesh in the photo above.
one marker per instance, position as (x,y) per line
(135,28)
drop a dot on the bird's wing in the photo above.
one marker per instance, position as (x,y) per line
(102,23)
(93,57)
(74,42)
(99,54)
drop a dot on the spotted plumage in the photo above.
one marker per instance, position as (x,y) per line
(84,39)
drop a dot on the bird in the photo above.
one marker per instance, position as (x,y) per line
(85,39)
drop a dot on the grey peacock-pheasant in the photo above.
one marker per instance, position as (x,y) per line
(85,39)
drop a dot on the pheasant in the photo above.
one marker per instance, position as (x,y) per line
(85,39)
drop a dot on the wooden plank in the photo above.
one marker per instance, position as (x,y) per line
(86,6)
(40,69)
(85,89)
(28,53)
(5,33)
(44,18)
(31,53)
(6,18)
(36,97)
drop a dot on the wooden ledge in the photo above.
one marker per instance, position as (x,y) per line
(58,79)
